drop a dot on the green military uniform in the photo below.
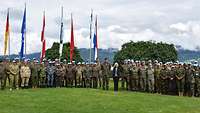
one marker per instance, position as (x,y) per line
(59,75)
(35,68)
(164,80)
(2,75)
(190,81)
(157,79)
(42,75)
(143,78)
(197,81)
(125,75)
(180,80)
(134,72)
(150,79)
(13,75)
(106,74)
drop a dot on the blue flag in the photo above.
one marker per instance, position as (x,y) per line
(23,31)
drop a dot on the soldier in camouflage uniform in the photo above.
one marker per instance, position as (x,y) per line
(150,78)
(157,78)
(42,75)
(95,73)
(143,76)
(124,76)
(25,73)
(106,73)
(2,74)
(13,75)
(172,80)
(189,80)
(134,71)
(59,75)
(70,75)
(180,79)
(164,79)
(35,68)
(197,80)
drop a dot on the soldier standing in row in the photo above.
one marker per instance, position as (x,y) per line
(2,74)
(125,74)
(197,80)
(59,75)
(150,76)
(42,75)
(50,74)
(180,79)
(135,77)
(157,78)
(143,76)
(25,73)
(35,67)
(189,81)
(164,79)
(106,73)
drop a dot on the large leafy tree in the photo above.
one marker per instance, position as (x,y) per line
(148,50)
(53,52)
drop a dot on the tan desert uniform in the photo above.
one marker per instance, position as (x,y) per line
(13,75)
(25,75)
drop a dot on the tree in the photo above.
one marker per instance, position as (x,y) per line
(148,50)
(53,52)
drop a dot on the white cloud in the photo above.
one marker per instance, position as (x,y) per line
(120,21)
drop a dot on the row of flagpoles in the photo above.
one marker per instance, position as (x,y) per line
(22,52)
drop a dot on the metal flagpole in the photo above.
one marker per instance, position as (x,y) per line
(8,38)
(91,36)
(25,34)
(61,35)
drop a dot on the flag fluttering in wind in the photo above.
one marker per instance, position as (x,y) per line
(43,40)
(7,34)
(61,35)
(72,40)
(23,31)
(95,41)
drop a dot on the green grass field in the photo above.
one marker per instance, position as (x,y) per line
(79,100)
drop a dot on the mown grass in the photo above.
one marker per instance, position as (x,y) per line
(79,100)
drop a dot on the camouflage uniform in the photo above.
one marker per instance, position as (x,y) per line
(95,74)
(79,71)
(197,81)
(13,75)
(42,75)
(134,71)
(124,76)
(2,75)
(59,75)
(25,73)
(164,80)
(180,80)
(143,78)
(150,79)
(189,81)
(34,74)
(70,75)
(106,74)
(157,79)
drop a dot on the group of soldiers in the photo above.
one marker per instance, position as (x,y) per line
(150,76)
(155,77)
(17,74)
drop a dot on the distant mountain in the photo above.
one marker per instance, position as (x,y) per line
(103,53)
(183,54)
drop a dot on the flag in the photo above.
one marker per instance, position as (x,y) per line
(23,31)
(91,21)
(72,41)
(61,35)
(7,34)
(95,41)
(43,40)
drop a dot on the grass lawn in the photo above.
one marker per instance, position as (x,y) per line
(79,100)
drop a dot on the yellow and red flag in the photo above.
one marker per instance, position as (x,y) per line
(7,34)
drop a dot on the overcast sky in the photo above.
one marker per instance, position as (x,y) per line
(171,21)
